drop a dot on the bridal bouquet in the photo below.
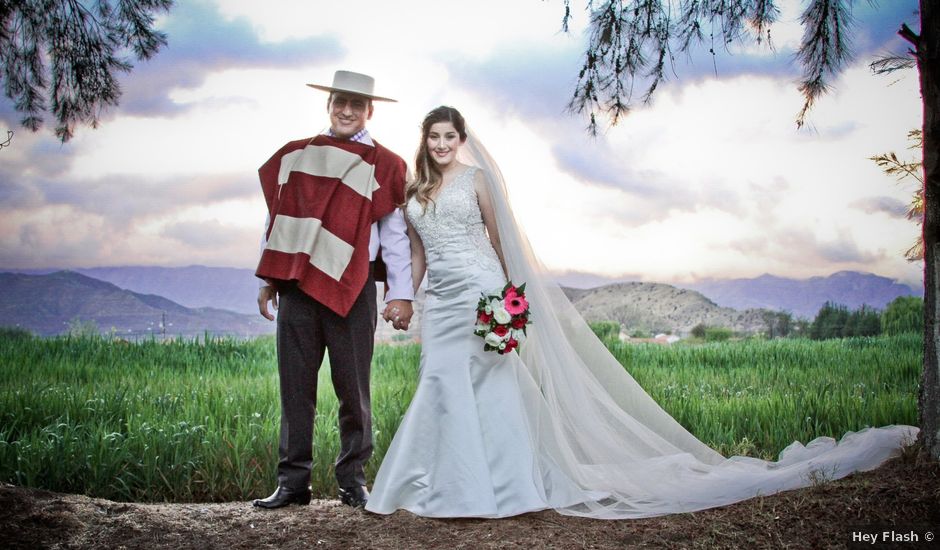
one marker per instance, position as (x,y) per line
(502,317)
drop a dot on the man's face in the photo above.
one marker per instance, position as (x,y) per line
(348,113)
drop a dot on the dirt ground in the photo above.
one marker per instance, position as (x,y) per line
(905,494)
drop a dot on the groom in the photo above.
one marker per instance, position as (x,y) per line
(333,228)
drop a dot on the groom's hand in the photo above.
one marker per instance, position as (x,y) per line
(267,294)
(399,312)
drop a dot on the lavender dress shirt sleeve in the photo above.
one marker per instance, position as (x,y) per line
(396,253)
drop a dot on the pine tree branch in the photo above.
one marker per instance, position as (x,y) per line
(85,51)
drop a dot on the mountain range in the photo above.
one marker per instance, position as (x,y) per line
(194,299)
(236,289)
(804,297)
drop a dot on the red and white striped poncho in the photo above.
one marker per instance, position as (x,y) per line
(323,195)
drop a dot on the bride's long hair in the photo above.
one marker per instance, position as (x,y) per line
(427,177)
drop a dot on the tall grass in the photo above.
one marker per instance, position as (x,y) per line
(197,420)
(756,397)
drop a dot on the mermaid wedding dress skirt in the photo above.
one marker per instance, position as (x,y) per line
(462,448)
(561,425)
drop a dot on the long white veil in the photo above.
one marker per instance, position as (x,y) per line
(605,448)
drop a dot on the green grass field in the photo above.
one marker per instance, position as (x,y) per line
(197,421)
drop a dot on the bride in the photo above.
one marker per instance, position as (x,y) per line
(560,425)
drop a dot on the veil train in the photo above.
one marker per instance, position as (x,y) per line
(605,448)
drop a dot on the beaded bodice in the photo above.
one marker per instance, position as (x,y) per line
(453,226)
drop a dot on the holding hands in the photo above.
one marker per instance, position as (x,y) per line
(399,313)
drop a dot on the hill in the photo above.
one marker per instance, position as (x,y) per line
(46,304)
(657,307)
(192,286)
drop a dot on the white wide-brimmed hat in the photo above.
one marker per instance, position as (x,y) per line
(353,83)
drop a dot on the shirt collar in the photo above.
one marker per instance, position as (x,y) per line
(362,136)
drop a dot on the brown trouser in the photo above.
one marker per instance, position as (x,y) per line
(305,329)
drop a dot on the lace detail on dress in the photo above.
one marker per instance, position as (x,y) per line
(453,223)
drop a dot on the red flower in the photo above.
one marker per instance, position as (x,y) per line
(510,292)
(485,318)
(511,345)
(516,305)
(500,330)
(518,322)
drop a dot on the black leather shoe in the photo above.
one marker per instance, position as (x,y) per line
(355,496)
(283,497)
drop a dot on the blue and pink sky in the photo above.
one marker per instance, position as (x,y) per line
(712,180)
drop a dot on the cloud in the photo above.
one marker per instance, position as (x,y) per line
(130,220)
(873,32)
(801,247)
(8,116)
(649,195)
(30,158)
(533,83)
(126,199)
(601,165)
(584,279)
(877,24)
(201,41)
(70,237)
(53,237)
(539,82)
(34,155)
(887,205)
(16,194)
(206,234)
(711,161)
(844,250)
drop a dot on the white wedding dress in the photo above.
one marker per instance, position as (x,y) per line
(561,425)
(462,448)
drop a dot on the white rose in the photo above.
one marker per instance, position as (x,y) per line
(501,315)
(493,339)
(502,345)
